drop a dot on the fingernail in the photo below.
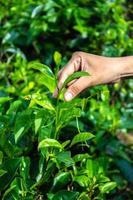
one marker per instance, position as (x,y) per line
(68,96)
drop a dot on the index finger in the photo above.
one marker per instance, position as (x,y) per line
(73,65)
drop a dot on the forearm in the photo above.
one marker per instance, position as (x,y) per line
(127,70)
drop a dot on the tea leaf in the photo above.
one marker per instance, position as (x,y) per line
(82,137)
(57,58)
(4,99)
(61,180)
(74,76)
(82,180)
(81,157)
(2,172)
(11,166)
(37,10)
(64,195)
(107,187)
(65,158)
(47,78)
(49,143)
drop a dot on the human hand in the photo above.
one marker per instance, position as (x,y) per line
(102,70)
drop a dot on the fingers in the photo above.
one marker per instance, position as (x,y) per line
(73,65)
(69,69)
(77,87)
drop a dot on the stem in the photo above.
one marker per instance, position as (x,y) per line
(77,122)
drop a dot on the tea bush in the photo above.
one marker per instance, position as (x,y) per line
(51,149)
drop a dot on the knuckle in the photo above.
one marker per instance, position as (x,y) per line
(75,89)
(76,54)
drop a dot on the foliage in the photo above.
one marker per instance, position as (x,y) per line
(51,149)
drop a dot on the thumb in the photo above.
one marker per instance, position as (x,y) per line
(77,87)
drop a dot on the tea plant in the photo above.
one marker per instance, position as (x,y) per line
(53,165)
(52,149)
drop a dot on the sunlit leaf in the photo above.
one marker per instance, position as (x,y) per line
(47,78)
(82,137)
(57,58)
(49,143)
(107,187)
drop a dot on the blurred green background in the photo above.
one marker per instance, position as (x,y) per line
(34,30)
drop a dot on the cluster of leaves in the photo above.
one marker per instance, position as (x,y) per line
(51,149)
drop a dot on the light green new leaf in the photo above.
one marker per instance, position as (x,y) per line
(107,187)
(47,78)
(74,76)
(45,104)
(38,122)
(49,143)
(64,144)
(19,133)
(57,58)
(4,99)
(82,137)
(82,180)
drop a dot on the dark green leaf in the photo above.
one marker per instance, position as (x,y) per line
(61,180)
(10,166)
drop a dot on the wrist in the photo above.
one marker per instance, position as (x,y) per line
(127,66)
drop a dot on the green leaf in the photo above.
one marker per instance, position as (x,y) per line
(45,104)
(82,137)
(61,180)
(2,172)
(19,133)
(23,122)
(1,157)
(38,122)
(49,143)
(65,158)
(37,10)
(47,78)
(8,191)
(107,187)
(74,76)
(64,195)
(14,106)
(92,167)
(57,58)
(82,180)
(64,144)
(81,157)
(10,166)
(4,99)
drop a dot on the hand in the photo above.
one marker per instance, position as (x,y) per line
(102,70)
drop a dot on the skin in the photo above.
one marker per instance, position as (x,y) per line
(102,70)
